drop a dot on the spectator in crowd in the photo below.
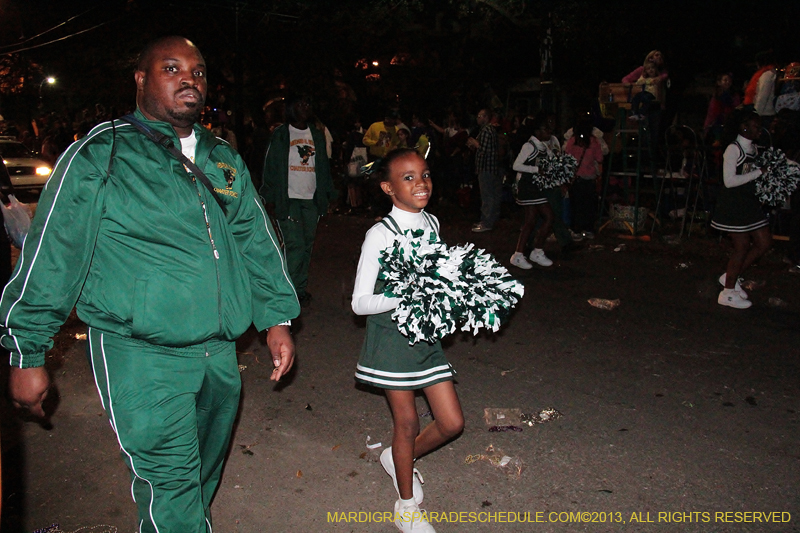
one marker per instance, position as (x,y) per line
(354,156)
(487,167)
(403,138)
(651,97)
(456,160)
(760,90)
(381,136)
(586,149)
(654,56)
(720,107)
(789,97)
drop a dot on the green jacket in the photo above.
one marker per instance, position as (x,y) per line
(275,187)
(125,237)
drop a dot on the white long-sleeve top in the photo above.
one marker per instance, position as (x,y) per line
(765,94)
(531,148)
(378,238)
(730,160)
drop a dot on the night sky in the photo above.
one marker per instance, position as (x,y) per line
(452,49)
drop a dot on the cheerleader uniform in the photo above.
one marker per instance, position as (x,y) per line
(738,209)
(528,193)
(387,361)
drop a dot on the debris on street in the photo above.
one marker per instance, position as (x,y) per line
(602,303)
(494,456)
(753,284)
(777,302)
(545,415)
(502,417)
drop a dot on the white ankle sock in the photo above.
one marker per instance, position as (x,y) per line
(408,502)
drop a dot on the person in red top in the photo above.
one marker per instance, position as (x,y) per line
(721,105)
(584,147)
(760,91)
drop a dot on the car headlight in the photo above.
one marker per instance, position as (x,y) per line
(43,171)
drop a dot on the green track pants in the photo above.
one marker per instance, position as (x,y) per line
(172,410)
(299,231)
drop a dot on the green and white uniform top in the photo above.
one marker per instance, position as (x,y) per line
(525,165)
(387,361)
(738,209)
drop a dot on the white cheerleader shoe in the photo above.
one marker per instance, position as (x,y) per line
(388,464)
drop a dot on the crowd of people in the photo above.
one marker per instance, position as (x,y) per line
(159,196)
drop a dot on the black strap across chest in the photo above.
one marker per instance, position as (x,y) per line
(166,143)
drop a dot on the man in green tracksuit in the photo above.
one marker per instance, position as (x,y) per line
(297,187)
(165,279)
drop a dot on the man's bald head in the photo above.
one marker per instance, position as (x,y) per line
(171,83)
(147,54)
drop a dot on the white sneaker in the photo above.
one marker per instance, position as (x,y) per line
(738,287)
(519,261)
(388,464)
(410,519)
(732,298)
(538,257)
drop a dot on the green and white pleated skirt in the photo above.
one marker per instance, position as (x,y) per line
(387,361)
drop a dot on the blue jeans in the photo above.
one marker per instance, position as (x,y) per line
(491,184)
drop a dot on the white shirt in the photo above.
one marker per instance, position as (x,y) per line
(188,146)
(378,238)
(765,94)
(302,164)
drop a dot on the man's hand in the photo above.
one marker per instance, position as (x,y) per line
(28,388)
(473,143)
(281,347)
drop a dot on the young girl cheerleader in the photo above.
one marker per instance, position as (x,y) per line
(532,198)
(387,361)
(738,210)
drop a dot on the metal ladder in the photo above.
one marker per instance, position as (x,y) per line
(622,138)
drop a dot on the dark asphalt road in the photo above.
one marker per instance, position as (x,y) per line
(675,410)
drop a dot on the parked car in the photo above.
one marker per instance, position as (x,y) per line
(26,169)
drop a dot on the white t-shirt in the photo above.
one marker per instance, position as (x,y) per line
(188,145)
(302,164)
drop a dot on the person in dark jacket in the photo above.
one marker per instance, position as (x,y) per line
(297,187)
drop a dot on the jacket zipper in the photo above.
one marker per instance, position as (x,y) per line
(211,240)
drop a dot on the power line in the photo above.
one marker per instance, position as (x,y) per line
(57,40)
(47,31)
